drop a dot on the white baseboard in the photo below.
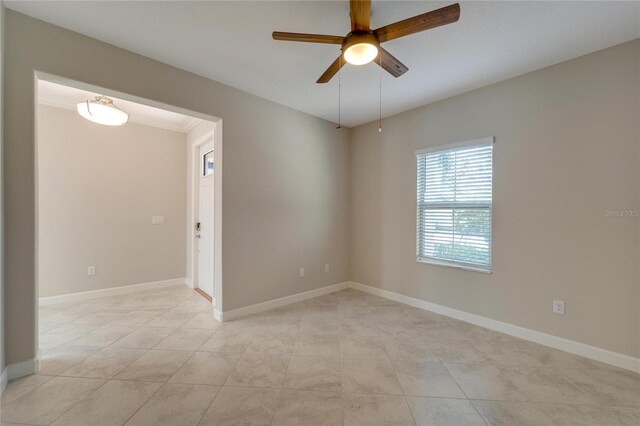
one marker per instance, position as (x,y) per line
(4,379)
(107,292)
(188,282)
(276,303)
(217,314)
(20,369)
(613,358)
(598,354)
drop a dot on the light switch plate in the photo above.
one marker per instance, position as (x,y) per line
(157,220)
(91,270)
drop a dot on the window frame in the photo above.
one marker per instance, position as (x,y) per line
(487,141)
(204,165)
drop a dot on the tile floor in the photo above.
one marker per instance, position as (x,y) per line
(159,358)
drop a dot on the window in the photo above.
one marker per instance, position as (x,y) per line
(207,165)
(454,205)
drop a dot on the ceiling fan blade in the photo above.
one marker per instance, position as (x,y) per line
(390,64)
(332,70)
(360,12)
(426,21)
(307,38)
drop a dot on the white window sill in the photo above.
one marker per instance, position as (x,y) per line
(453,265)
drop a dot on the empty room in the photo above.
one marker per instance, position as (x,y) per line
(320,213)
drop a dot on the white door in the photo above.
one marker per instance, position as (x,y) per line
(205,220)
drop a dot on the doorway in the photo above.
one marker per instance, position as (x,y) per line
(151,223)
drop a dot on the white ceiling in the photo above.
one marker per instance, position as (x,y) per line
(57,95)
(231,42)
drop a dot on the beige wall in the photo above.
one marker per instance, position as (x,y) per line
(98,187)
(285,186)
(2,292)
(567,149)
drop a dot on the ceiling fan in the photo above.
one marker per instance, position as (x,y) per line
(362,45)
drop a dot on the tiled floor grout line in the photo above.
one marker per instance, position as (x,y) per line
(342,402)
(204,412)
(26,424)
(465,394)
(109,378)
(279,400)
(154,393)
(114,378)
(404,396)
(110,345)
(142,405)
(79,401)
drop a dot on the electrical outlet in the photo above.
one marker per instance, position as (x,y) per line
(326,267)
(558,307)
(302,272)
(91,270)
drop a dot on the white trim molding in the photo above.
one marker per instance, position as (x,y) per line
(489,140)
(4,379)
(108,292)
(217,314)
(21,369)
(276,303)
(190,124)
(598,354)
(188,282)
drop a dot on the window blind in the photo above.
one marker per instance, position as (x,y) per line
(454,204)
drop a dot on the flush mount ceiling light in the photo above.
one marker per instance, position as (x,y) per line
(103,111)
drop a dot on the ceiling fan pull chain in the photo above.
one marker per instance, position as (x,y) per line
(380,97)
(339,86)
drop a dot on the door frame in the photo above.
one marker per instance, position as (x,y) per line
(217,131)
(193,189)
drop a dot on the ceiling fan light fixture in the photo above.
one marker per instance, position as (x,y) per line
(360,54)
(102,111)
(360,48)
